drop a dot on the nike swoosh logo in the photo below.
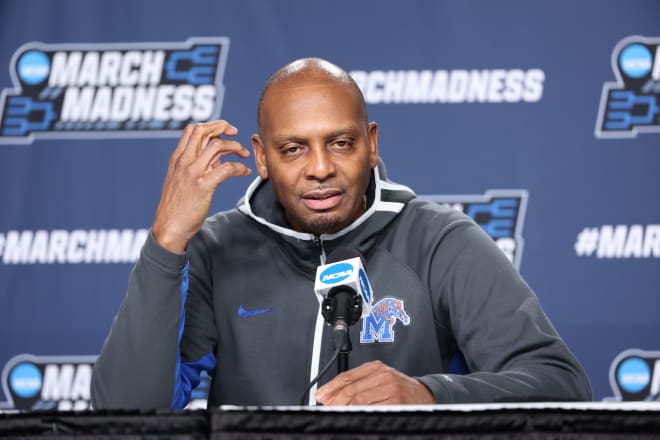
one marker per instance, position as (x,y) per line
(243,313)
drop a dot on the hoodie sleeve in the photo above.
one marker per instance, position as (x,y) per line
(140,363)
(512,350)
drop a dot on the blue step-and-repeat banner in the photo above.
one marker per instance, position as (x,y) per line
(539,119)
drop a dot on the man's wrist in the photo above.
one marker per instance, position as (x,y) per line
(166,260)
(427,396)
(170,243)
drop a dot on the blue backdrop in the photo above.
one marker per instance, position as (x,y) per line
(541,119)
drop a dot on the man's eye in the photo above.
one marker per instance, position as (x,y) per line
(292,150)
(343,143)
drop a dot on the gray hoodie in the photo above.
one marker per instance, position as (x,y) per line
(240,304)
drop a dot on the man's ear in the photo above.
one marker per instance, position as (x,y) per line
(260,156)
(372,138)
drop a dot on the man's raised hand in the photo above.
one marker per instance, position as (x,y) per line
(194,172)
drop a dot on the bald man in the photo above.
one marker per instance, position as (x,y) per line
(232,295)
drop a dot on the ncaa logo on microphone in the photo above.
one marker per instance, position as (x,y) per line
(336,273)
(349,273)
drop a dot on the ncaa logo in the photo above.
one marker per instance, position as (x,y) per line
(336,273)
(25,380)
(635,375)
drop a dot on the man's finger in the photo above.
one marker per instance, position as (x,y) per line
(220,147)
(349,377)
(381,385)
(365,394)
(364,388)
(181,146)
(201,134)
(226,170)
(364,391)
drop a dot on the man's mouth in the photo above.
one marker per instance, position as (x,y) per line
(322,200)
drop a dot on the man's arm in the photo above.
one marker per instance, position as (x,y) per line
(511,348)
(136,367)
(140,364)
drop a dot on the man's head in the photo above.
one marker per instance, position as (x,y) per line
(315,145)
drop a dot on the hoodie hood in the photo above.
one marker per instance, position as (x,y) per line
(385,199)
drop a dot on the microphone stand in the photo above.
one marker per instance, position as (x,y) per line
(343,343)
(342,308)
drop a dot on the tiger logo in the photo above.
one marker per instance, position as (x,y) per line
(379,325)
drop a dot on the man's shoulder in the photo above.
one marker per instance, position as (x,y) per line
(424,221)
(439,214)
(224,221)
(222,226)
(428,221)
(231,215)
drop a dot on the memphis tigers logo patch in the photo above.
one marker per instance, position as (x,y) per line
(379,325)
(501,213)
(64,91)
(631,105)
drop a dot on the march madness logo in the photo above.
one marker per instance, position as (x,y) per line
(112,90)
(635,375)
(48,382)
(631,105)
(62,383)
(501,213)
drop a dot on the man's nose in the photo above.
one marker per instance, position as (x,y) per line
(320,165)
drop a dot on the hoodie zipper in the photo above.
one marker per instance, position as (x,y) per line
(318,242)
(318,330)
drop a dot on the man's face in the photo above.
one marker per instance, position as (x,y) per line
(317,151)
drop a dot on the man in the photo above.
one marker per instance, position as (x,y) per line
(233,294)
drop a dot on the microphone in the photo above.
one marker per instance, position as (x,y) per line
(339,282)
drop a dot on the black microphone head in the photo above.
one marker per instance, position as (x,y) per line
(345,253)
(342,302)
